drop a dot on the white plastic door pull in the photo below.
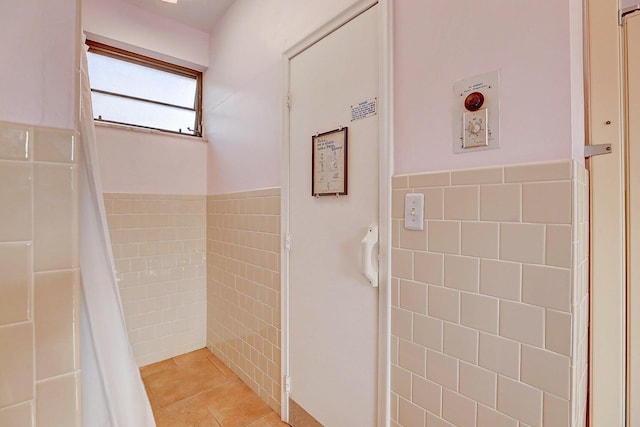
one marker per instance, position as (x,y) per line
(369,267)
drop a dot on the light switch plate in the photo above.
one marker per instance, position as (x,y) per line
(414,211)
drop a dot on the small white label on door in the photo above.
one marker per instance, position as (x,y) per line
(364,109)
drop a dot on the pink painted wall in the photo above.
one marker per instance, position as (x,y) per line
(440,42)
(38,56)
(537,46)
(243,88)
(129,27)
(141,162)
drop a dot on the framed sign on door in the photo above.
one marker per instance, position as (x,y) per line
(329,163)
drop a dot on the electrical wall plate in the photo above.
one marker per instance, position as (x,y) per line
(476,129)
(414,211)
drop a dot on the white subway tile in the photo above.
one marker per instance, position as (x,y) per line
(413,296)
(461,273)
(16,360)
(436,421)
(548,287)
(480,239)
(412,357)
(558,246)
(499,355)
(521,322)
(546,370)
(410,415)
(444,237)
(17,416)
(57,402)
(520,401)
(433,202)
(547,203)
(478,384)
(442,369)
(479,312)
(457,409)
(397,203)
(437,179)
(558,332)
(522,243)
(500,202)
(461,342)
(55,335)
(402,263)
(500,279)
(427,332)
(15,288)
(461,203)
(444,303)
(549,171)
(556,412)
(401,323)
(413,239)
(477,176)
(15,202)
(487,417)
(401,382)
(427,395)
(16,142)
(400,181)
(53,145)
(429,268)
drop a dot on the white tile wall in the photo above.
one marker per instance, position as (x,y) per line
(159,245)
(243,287)
(504,273)
(39,280)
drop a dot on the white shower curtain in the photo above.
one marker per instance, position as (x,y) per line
(113,394)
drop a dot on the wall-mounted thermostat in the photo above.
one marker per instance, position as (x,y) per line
(476,113)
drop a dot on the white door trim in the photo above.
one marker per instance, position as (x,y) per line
(607,216)
(385,112)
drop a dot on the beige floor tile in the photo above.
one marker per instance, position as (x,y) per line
(180,382)
(234,404)
(223,368)
(274,420)
(190,412)
(155,368)
(203,353)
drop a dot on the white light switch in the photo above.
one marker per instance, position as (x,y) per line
(414,211)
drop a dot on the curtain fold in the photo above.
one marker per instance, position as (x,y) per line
(113,394)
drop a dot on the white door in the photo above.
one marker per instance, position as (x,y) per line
(333,310)
(632,39)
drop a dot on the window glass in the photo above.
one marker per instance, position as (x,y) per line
(127,90)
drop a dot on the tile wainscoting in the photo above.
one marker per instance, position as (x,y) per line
(490,301)
(40,377)
(159,248)
(243,287)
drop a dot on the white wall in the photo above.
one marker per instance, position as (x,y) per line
(243,98)
(38,56)
(129,27)
(146,163)
(440,42)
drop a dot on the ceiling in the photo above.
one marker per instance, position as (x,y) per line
(200,14)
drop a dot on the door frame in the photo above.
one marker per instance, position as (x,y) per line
(606,124)
(385,141)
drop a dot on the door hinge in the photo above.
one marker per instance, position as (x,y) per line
(287,242)
(597,150)
(287,384)
(625,11)
(289,100)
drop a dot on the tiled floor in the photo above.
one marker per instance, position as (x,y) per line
(197,389)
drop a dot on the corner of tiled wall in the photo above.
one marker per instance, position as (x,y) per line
(243,287)
(159,247)
(489,309)
(39,288)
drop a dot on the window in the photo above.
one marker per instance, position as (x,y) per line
(131,89)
